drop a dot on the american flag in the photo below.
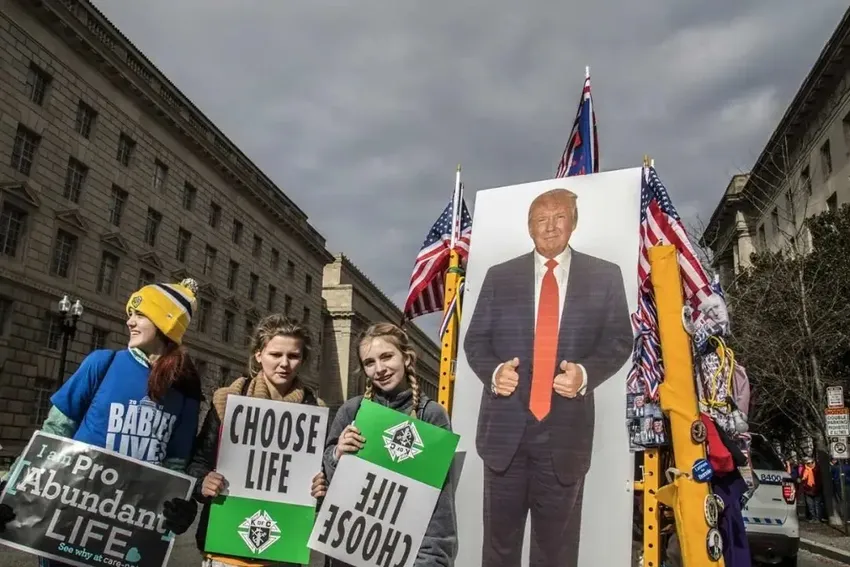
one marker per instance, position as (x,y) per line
(581,155)
(427,284)
(660,224)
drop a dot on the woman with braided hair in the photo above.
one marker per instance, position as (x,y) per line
(388,362)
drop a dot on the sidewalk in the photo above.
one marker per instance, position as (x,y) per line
(825,540)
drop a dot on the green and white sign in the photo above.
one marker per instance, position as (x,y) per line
(380,501)
(269,453)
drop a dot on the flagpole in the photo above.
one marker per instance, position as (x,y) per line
(587,72)
(456,200)
(448,342)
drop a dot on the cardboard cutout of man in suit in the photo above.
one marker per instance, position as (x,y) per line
(549,327)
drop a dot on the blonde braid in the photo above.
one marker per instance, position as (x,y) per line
(370,390)
(414,386)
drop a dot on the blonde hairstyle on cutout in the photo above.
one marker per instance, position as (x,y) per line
(394,335)
(269,327)
(563,197)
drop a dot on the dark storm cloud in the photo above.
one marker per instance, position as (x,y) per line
(360,111)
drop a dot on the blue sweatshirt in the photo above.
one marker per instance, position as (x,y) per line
(107,405)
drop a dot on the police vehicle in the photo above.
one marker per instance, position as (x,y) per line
(770,515)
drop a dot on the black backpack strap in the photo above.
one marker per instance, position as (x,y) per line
(245,387)
(359,403)
(420,412)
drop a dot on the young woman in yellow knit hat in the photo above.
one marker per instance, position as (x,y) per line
(279,349)
(389,362)
(141,401)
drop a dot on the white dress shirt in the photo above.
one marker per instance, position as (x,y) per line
(561,273)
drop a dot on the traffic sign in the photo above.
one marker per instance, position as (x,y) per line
(838,422)
(838,448)
(835,396)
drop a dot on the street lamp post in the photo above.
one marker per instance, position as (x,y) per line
(70,314)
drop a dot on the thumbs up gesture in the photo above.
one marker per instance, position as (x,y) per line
(506,378)
(568,380)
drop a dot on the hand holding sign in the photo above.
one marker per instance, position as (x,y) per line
(77,504)
(179,514)
(379,514)
(267,461)
(320,486)
(213,484)
(350,441)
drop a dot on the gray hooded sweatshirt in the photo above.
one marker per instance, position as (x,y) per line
(439,546)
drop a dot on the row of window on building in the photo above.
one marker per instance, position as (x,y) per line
(13,222)
(803,190)
(23,155)
(791,220)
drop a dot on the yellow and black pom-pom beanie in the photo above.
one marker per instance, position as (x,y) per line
(168,306)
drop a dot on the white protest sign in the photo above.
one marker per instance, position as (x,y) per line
(271,450)
(269,453)
(380,501)
(379,523)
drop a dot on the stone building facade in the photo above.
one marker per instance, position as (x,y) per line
(803,170)
(111,178)
(352,303)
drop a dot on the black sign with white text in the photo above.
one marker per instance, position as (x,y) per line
(86,506)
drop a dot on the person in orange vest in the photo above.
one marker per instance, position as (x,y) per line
(811,490)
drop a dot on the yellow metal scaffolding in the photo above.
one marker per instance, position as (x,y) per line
(678,396)
(448,345)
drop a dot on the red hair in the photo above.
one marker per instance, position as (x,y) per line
(173,369)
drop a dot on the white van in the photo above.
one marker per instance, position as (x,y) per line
(770,515)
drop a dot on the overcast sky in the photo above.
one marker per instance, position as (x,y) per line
(360,113)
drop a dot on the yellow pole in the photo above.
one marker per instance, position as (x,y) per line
(679,402)
(651,515)
(649,486)
(448,344)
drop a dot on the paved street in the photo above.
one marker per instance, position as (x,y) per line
(186,555)
(809,560)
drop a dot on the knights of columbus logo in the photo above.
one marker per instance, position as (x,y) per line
(259,531)
(403,442)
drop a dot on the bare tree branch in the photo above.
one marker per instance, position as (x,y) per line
(789,311)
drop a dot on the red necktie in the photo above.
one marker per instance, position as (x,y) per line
(545,344)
